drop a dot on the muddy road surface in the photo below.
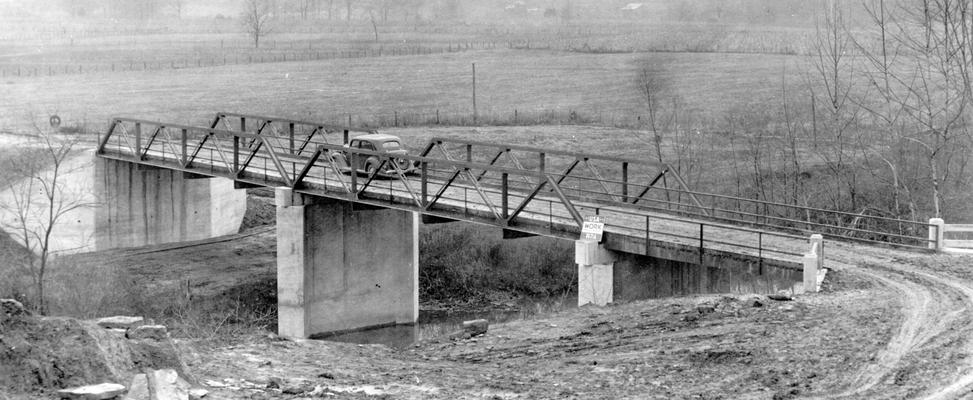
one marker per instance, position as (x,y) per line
(887,324)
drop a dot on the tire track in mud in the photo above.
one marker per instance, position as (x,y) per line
(934,306)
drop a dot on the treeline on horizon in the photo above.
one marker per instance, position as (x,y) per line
(756,12)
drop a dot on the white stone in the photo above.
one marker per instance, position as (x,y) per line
(102,391)
(165,384)
(120,322)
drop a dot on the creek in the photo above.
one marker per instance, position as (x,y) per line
(436,324)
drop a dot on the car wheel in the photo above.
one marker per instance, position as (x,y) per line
(371,167)
(403,164)
(340,162)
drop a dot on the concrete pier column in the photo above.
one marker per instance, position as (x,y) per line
(595,273)
(140,205)
(341,269)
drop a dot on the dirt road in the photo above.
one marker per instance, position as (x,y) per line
(888,324)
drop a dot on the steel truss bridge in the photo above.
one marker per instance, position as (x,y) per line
(524,190)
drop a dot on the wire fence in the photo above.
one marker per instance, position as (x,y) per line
(199,60)
(618,118)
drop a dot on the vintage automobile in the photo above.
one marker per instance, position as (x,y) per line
(369,164)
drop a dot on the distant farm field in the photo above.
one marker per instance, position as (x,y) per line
(710,85)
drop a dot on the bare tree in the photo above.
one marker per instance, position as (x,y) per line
(348,5)
(177,7)
(831,82)
(257,19)
(655,90)
(304,7)
(918,62)
(38,202)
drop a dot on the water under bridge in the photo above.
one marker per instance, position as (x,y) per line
(347,216)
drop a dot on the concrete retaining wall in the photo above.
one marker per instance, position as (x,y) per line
(642,277)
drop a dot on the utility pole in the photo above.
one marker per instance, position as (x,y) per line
(474,93)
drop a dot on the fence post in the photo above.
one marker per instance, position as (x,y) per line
(936,234)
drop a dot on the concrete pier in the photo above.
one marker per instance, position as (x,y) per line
(596,266)
(341,269)
(140,206)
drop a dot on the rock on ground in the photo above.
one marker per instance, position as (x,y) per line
(120,322)
(48,353)
(102,391)
(154,332)
(162,384)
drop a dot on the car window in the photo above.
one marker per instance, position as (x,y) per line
(367,145)
(391,145)
(354,143)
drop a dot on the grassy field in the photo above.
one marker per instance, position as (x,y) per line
(710,85)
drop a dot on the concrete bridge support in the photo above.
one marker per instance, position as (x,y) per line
(342,269)
(607,274)
(596,266)
(139,205)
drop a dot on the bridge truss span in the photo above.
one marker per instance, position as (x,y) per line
(524,190)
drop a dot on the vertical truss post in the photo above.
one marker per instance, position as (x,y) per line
(504,201)
(541,162)
(648,227)
(182,143)
(236,155)
(624,182)
(345,138)
(760,253)
(424,176)
(353,171)
(469,153)
(702,268)
(138,141)
(290,132)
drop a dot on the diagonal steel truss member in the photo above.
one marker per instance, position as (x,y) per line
(620,167)
(300,135)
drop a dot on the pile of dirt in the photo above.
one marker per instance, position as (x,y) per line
(41,354)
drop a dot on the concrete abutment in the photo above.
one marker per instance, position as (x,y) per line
(139,206)
(607,274)
(340,268)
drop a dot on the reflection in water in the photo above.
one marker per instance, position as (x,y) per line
(435,324)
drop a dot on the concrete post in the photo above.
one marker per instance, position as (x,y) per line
(810,273)
(341,269)
(817,241)
(595,273)
(937,230)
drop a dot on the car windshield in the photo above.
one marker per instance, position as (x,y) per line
(391,145)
